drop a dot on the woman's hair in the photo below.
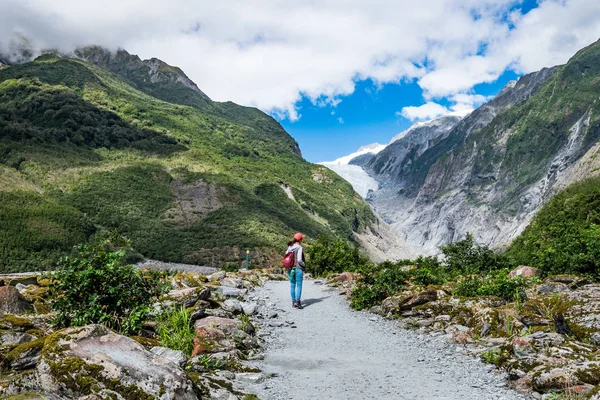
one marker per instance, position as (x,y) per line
(292,242)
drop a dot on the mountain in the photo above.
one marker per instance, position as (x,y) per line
(494,169)
(350,168)
(104,141)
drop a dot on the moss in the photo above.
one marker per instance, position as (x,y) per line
(25,396)
(41,307)
(130,392)
(75,374)
(146,342)
(18,323)
(18,351)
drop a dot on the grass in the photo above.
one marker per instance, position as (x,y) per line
(175,330)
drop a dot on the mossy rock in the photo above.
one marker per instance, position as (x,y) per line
(25,355)
(20,324)
(148,343)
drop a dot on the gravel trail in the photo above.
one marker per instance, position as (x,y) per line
(333,352)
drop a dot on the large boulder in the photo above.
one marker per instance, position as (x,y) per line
(228,326)
(524,272)
(188,297)
(84,361)
(11,301)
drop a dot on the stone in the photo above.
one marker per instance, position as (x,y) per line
(249,308)
(552,288)
(232,283)
(522,347)
(107,360)
(197,314)
(217,276)
(25,356)
(524,272)
(23,279)
(230,292)
(188,297)
(175,356)
(419,299)
(13,338)
(595,338)
(250,377)
(553,379)
(346,277)
(11,301)
(228,326)
(233,306)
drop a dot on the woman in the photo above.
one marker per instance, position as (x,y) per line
(296,273)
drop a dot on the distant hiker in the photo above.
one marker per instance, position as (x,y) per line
(296,260)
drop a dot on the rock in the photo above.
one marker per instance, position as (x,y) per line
(25,356)
(346,277)
(197,314)
(23,279)
(232,283)
(233,306)
(553,379)
(250,377)
(12,338)
(105,360)
(595,338)
(102,395)
(230,292)
(188,297)
(524,271)
(485,329)
(249,308)
(522,347)
(228,326)
(217,276)
(175,356)
(572,281)
(579,390)
(11,301)
(20,287)
(217,312)
(419,299)
(552,288)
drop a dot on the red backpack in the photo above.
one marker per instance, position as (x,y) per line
(289,260)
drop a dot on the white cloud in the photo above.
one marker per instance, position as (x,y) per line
(270,53)
(340,120)
(425,112)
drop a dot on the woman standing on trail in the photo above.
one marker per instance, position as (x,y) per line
(296,272)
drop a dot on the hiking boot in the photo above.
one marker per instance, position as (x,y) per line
(299,305)
(294,304)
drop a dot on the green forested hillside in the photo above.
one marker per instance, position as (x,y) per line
(564,237)
(84,150)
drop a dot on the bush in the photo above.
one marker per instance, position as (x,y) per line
(493,284)
(175,330)
(94,287)
(377,284)
(327,256)
(467,257)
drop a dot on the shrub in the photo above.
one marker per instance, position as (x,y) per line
(95,287)
(175,330)
(377,284)
(467,257)
(328,256)
(493,284)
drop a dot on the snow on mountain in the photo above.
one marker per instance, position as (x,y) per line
(373,148)
(358,178)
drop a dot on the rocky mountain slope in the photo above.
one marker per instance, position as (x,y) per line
(494,169)
(105,141)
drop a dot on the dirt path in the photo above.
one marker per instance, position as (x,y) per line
(336,353)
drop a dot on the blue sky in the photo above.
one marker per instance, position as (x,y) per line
(368,115)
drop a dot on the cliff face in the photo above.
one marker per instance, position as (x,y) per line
(490,172)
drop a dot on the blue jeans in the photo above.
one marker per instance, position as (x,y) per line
(296,283)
